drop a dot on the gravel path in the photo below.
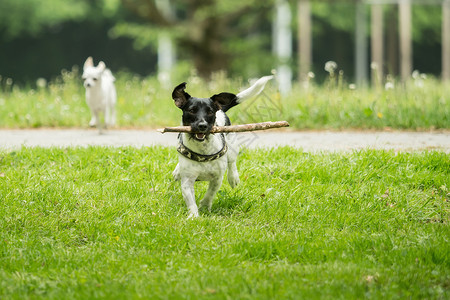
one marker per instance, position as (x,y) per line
(312,141)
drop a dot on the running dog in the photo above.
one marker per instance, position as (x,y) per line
(101,94)
(204,156)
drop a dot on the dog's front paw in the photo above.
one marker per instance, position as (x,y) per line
(233,179)
(193,215)
(176,174)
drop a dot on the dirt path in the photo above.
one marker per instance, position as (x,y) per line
(312,141)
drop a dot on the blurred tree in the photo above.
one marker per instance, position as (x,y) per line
(333,31)
(32,16)
(40,38)
(202,28)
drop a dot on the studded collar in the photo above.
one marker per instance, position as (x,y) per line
(188,153)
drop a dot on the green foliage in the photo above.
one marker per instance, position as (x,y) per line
(427,19)
(420,104)
(337,14)
(88,223)
(32,16)
(237,34)
(201,30)
(144,36)
(416,105)
(111,8)
(427,22)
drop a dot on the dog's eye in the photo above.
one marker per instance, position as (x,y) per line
(210,112)
(192,111)
(95,79)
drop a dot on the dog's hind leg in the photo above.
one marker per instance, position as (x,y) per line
(93,121)
(187,189)
(98,121)
(107,114)
(112,111)
(213,187)
(112,107)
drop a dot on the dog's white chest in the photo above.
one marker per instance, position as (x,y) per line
(205,171)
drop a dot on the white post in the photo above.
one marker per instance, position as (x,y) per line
(446,40)
(304,38)
(282,46)
(166,59)
(360,44)
(166,49)
(405,39)
(377,44)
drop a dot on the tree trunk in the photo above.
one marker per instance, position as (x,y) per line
(207,48)
(377,44)
(392,45)
(304,38)
(282,45)
(405,39)
(446,40)
(360,44)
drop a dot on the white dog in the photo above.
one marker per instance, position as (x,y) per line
(101,94)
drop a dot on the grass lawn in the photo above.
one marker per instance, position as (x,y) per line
(110,223)
(417,105)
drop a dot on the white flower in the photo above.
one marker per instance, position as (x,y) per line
(330,66)
(352,86)
(418,78)
(41,83)
(389,86)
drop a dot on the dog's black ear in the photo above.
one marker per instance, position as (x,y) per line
(180,96)
(225,100)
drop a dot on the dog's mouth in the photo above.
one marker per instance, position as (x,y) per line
(199,136)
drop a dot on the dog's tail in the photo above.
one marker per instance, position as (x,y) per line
(252,91)
(108,74)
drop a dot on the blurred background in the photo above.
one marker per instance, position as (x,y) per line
(244,38)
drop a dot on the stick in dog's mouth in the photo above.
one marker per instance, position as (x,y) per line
(231,128)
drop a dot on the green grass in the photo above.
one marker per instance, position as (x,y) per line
(109,223)
(142,102)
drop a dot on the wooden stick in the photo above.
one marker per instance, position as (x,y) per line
(231,128)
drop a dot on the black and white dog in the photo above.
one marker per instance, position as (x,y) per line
(202,155)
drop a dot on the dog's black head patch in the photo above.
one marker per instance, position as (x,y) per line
(200,113)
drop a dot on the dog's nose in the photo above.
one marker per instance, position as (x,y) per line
(203,126)
(88,85)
